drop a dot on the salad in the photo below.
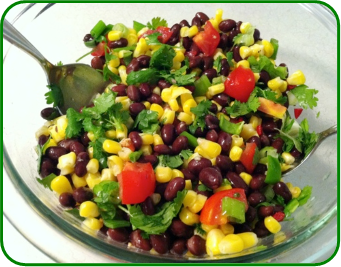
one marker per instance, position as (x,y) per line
(183,152)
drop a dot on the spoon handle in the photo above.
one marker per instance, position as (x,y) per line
(329,131)
(13,36)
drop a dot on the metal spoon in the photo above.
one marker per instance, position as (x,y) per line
(321,136)
(78,82)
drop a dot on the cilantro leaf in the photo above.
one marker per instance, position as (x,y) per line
(59,63)
(271,95)
(90,125)
(74,126)
(99,153)
(217,63)
(229,57)
(75,213)
(306,97)
(138,26)
(107,74)
(46,181)
(162,58)
(147,121)
(200,111)
(308,139)
(186,153)
(240,109)
(179,77)
(134,156)
(264,63)
(156,22)
(172,162)
(159,222)
(152,39)
(289,134)
(199,229)
(117,117)
(54,96)
(142,76)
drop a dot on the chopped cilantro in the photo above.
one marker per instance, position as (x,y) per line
(186,154)
(200,111)
(306,97)
(153,39)
(271,95)
(307,139)
(138,26)
(264,63)
(156,22)
(162,58)
(143,76)
(179,77)
(75,213)
(74,126)
(99,153)
(217,64)
(54,96)
(172,162)
(46,181)
(240,109)
(147,121)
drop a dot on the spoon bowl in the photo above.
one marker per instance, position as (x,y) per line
(79,83)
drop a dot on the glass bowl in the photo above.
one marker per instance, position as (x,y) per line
(307,35)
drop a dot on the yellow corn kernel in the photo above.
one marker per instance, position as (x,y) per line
(211,148)
(201,152)
(190,103)
(188,217)
(122,70)
(244,63)
(244,27)
(214,161)
(218,106)
(142,31)
(168,116)
(288,158)
(285,167)
(114,35)
(199,99)
(157,90)
(231,243)
(223,187)
(279,237)
(91,152)
(124,153)
(54,133)
(219,15)
(235,153)
(272,224)
(122,133)
(295,191)
(146,150)
(111,134)
(255,121)
(92,166)
(61,123)
(111,146)
(268,48)
(66,163)
(146,104)
(179,56)
(216,89)
(257,76)
(237,141)
(296,78)
(49,143)
(78,181)
(158,109)
(91,136)
(213,239)
(163,174)
(92,179)
(173,104)
(248,131)
(124,100)
(246,177)
(250,239)
(188,184)
(198,204)
(147,139)
(157,140)
(184,98)
(107,175)
(245,51)
(186,118)
(42,131)
(88,209)
(115,163)
(227,228)
(61,184)
(207,227)
(114,63)
(190,198)
(93,223)
(277,84)
(219,114)
(218,53)
(141,48)
(177,173)
(189,32)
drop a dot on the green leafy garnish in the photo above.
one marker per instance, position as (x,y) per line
(59,63)
(147,121)
(75,119)
(40,151)
(99,153)
(156,22)
(229,57)
(159,222)
(54,96)
(264,63)
(162,59)
(178,77)
(134,156)
(199,229)
(306,97)
(172,162)
(200,111)
(307,139)
(186,153)
(240,109)
(46,182)
(271,95)
(75,213)
(217,64)
(138,26)
(149,75)
(153,39)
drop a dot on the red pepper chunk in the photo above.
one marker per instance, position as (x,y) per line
(297,112)
(247,157)
(279,216)
(165,32)
(207,40)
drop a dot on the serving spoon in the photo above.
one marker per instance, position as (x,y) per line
(321,136)
(79,83)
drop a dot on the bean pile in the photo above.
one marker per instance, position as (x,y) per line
(217,159)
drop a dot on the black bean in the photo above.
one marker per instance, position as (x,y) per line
(187,42)
(256,35)
(225,67)
(47,167)
(136,139)
(133,93)
(213,108)
(210,177)
(207,62)
(162,149)
(120,89)
(212,122)
(256,198)
(212,135)
(260,169)
(181,127)
(155,98)
(188,175)
(184,23)
(43,139)
(190,87)
(265,211)
(196,22)
(255,139)
(136,108)
(85,139)
(264,77)
(282,190)
(222,99)
(250,214)
(174,186)
(118,234)
(66,199)
(236,54)
(147,206)
(138,241)
(54,152)
(179,144)
(97,63)
(195,62)
(82,194)
(210,73)
(227,25)
(264,140)
(145,89)
(66,143)
(49,113)
(278,144)
(239,168)
(268,125)
(260,229)
(81,162)
(242,228)
(122,42)
(160,243)
(225,141)
(133,66)
(77,147)
(88,37)
(224,41)
(175,29)
(195,166)
(179,229)
(196,245)
(257,182)
(143,61)
(237,182)
(168,134)
(224,163)
(152,159)
(295,153)
(163,84)
(195,49)
(178,247)
(202,16)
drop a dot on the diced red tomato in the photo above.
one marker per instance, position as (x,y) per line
(211,213)
(126,142)
(240,84)
(207,40)
(297,112)
(279,216)
(290,87)
(137,182)
(165,32)
(259,129)
(247,157)
(98,51)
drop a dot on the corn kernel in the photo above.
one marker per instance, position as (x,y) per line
(114,63)
(168,116)
(296,78)
(211,148)
(157,108)
(257,76)
(244,52)
(177,173)
(272,224)
(244,27)
(213,239)
(92,179)
(189,32)
(122,70)
(124,153)
(91,152)
(188,184)
(111,134)
(146,150)
(190,198)
(279,237)
(93,223)
(111,146)
(288,158)
(255,121)
(198,204)
(231,244)
(92,166)
(250,239)
(179,56)
(244,63)
(107,175)
(146,104)
(122,133)
(216,89)
(237,141)
(207,227)
(91,136)
(61,184)
(295,192)
(88,209)
(201,152)
(141,48)
(248,131)
(173,104)
(185,117)
(188,217)
(115,163)
(219,15)
(163,174)
(235,153)
(223,187)
(277,84)
(114,35)
(147,139)
(268,48)
(157,140)
(66,163)
(227,228)
(49,143)
(42,131)
(190,103)
(246,177)
(78,181)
